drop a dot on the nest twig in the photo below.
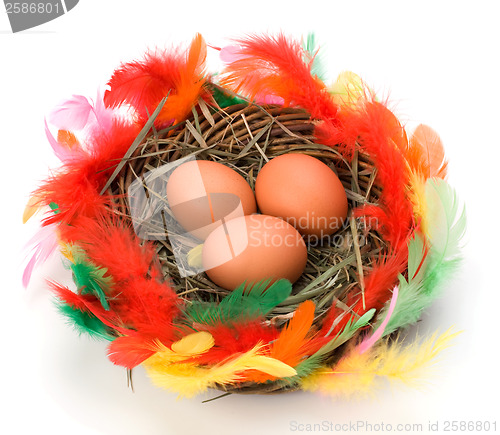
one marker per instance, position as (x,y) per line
(244,137)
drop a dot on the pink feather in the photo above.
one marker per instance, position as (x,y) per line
(263,98)
(61,151)
(71,114)
(78,113)
(41,246)
(102,115)
(28,271)
(377,335)
(231,53)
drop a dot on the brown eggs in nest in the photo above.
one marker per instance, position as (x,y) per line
(202,193)
(303,191)
(252,249)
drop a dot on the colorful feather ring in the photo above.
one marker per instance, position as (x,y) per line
(331,331)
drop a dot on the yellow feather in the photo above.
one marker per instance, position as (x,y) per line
(271,366)
(181,378)
(69,251)
(194,257)
(347,89)
(418,198)
(359,374)
(193,344)
(65,250)
(186,347)
(408,363)
(163,356)
(354,375)
(188,379)
(31,208)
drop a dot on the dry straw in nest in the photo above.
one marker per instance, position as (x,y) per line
(244,137)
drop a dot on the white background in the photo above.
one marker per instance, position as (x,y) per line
(438,63)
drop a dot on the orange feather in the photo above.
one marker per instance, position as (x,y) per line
(293,342)
(143,84)
(67,138)
(189,84)
(425,153)
(290,344)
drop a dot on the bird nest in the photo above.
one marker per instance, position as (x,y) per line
(244,137)
(138,287)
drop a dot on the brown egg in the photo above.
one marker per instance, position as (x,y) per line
(251,249)
(304,191)
(201,193)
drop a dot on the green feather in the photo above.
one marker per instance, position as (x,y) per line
(309,365)
(242,303)
(54,207)
(303,369)
(347,333)
(447,224)
(89,278)
(411,298)
(446,230)
(224,98)
(416,251)
(84,323)
(312,55)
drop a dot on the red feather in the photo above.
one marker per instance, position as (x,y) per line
(275,66)
(112,244)
(380,134)
(333,133)
(147,306)
(138,297)
(378,290)
(76,186)
(135,345)
(377,131)
(143,84)
(380,281)
(88,304)
(129,351)
(236,338)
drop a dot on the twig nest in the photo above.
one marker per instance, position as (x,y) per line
(155,216)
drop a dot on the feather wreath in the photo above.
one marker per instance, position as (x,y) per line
(267,336)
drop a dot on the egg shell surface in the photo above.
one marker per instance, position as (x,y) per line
(253,248)
(304,191)
(201,193)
